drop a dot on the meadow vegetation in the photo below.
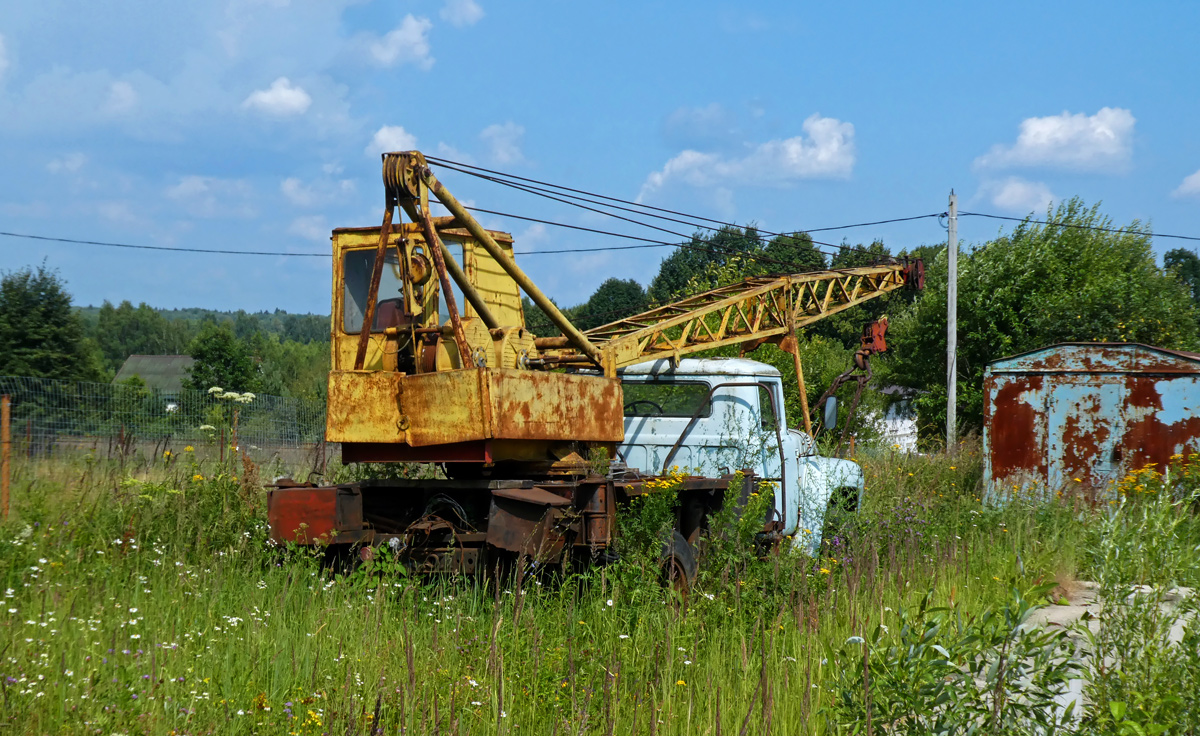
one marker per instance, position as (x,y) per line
(150,601)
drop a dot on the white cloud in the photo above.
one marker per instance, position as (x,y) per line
(407,44)
(281,99)
(207,196)
(826,151)
(1100,142)
(69,163)
(122,98)
(316,193)
(447,151)
(1018,195)
(391,138)
(461,13)
(3,57)
(310,227)
(1189,187)
(504,142)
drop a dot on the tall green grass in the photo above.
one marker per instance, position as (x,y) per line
(154,604)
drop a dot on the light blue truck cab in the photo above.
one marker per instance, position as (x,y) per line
(713,416)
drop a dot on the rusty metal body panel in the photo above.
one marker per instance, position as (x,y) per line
(1080,416)
(450,407)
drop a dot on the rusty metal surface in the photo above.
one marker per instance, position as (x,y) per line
(304,514)
(1079,417)
(528,526)
(450,407)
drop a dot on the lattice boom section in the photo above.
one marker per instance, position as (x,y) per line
(756,308)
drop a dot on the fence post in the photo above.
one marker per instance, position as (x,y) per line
(5,443)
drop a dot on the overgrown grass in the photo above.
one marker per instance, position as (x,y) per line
(155,605)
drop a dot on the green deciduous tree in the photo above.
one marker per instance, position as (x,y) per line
(1040,285)
(704,249)
(124,330)
(221,360)
(1185,264)
(612,300)
(39,334)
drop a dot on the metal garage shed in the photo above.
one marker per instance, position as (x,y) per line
(1083,415)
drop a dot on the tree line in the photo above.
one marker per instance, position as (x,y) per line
(43,336)
(1024,289)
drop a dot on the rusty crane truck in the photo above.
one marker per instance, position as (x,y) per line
(524,426)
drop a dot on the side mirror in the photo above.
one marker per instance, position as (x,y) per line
(830,412)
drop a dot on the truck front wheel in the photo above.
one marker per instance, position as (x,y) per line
(679,563)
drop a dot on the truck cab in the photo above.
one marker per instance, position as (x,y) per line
(712,416)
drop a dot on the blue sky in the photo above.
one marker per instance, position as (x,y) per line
(256,124)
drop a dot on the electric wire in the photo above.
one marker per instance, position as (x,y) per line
(165,247)
(450,164)
(555,196)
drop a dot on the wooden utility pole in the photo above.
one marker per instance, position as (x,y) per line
(5,455)
(952,326)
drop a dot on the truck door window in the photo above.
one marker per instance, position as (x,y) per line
(666,399)
(766,409)
(356,271)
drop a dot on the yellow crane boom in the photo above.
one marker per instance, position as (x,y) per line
(758,309)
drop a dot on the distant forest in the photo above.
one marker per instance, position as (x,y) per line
(291,351)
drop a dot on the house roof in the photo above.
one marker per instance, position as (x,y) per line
(161,372)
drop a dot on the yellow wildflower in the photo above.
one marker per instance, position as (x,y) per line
(197,476)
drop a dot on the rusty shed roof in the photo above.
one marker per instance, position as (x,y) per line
(1099,357)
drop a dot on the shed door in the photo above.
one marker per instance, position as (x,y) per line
(1085,425)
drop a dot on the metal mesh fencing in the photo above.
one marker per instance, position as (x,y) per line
(50,415)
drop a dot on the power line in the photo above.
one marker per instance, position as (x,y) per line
(451,164)
(164,247)
(1120,230)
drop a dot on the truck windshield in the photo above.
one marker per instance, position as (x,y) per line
(666,399)
(357,274)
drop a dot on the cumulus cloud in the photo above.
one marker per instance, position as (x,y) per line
(310,227)
(407,44)
(122,98)
(68,163)
(207,196)
(1100,142)
(281,99)
(504,142)
(391,138)
(1189,187)
(1018,195)
(825,151)
(461,13)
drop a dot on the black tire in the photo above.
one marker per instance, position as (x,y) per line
(679,564)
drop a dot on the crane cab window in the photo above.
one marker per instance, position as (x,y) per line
(666,399)
(356,273)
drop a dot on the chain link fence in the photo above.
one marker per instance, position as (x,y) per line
(50,417)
